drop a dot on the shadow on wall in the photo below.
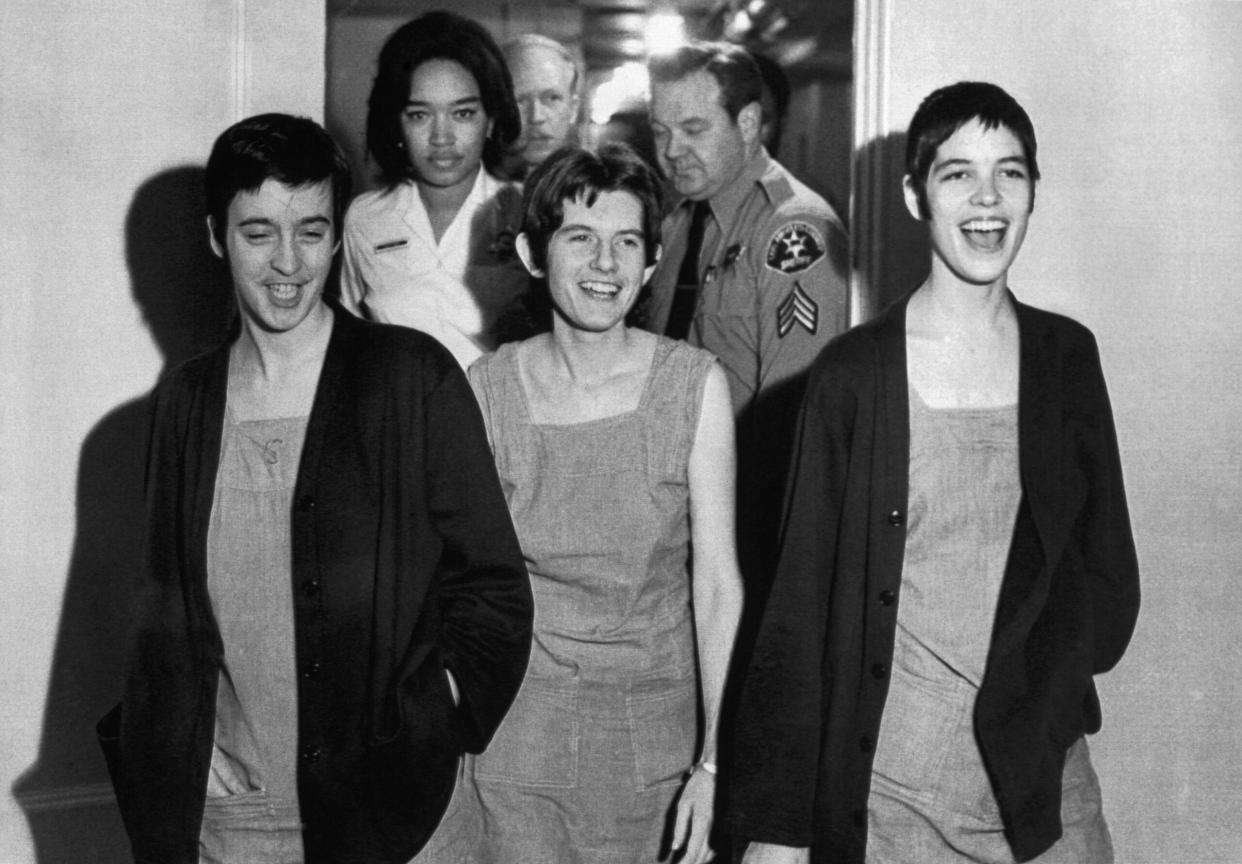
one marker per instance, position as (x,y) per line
(892,248)
(184,293)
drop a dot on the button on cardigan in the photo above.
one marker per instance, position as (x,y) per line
(405,564)
(811,702)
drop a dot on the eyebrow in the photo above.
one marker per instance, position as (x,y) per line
(468,100)
(576,226)
(264,222)
(681,122)
(960,163)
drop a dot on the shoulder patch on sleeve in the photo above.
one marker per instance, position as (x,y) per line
(794,247)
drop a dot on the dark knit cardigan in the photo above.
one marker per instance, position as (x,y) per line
(817,680)
(405,563)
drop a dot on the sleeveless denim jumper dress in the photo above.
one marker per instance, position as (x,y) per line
(931,800)
(587,762)
(249,562)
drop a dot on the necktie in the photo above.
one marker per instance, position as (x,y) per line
(687,291)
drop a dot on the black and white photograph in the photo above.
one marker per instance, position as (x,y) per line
(621,431)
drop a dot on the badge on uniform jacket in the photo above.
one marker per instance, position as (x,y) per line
(797,308)
(795,247)
(504,246)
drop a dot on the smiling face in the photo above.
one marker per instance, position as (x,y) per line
(979,197)
(543,86)
(596,262)
(444,125)
(700,147)
(279,242)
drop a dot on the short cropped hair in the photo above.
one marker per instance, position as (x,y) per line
(732,66)
(950,108)
(437,36)
(527,41)
(295,151)
(573,173)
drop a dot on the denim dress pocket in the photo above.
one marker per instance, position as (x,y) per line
(537,743)
(663,724)
(916,732)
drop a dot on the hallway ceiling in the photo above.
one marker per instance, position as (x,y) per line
(808,37)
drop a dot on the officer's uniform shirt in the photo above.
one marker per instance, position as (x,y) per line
(455,290)
(775,270)
(774,261)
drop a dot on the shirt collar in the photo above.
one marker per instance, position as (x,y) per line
(484,187)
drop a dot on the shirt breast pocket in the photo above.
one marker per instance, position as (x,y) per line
(731,291)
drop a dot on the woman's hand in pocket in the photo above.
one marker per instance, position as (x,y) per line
(456,693)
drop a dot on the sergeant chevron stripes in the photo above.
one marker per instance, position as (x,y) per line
(797,308)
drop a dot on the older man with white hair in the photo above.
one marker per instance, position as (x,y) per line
(545,82)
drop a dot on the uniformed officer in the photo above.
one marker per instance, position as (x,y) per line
(754,267)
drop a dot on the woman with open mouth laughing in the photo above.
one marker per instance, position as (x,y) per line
(615,450)
(956,563)
(332,607)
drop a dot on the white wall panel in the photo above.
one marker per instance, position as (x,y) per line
(109,109)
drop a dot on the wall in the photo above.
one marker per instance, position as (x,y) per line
(1135,232)
(109,110)
(816,143)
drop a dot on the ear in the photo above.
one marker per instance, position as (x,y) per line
(522,244)
(912,198)
(659,252)
(749,120)
(211,237)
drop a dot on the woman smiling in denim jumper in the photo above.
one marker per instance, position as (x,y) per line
(615,451)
